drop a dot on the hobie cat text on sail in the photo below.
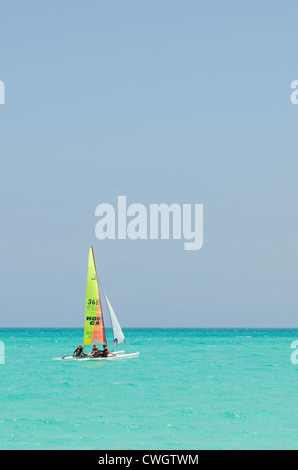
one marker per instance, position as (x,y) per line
(160,221)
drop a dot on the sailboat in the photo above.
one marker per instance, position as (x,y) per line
(94,330)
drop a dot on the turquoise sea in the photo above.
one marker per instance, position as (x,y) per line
(189,389)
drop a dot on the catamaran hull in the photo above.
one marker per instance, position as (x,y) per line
(108,358)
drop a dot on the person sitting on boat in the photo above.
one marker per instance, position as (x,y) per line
(95,352)
(79,351)
(106,351)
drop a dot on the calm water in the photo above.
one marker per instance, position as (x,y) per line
(189,389)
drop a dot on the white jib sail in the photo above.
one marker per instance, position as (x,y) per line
(118,334)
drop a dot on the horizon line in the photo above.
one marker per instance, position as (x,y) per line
(162,327)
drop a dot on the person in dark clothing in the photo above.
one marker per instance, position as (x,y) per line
(79,352)
(95,352)
(106,351)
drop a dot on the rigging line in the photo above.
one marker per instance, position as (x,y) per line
(104,294)
(98,283)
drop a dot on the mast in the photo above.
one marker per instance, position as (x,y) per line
(94,331)
(97,281)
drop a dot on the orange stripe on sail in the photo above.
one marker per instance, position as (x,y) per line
(98,334)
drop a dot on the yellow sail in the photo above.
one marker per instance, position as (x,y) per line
(94,332)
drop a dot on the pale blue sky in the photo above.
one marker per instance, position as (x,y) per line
(161,101)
